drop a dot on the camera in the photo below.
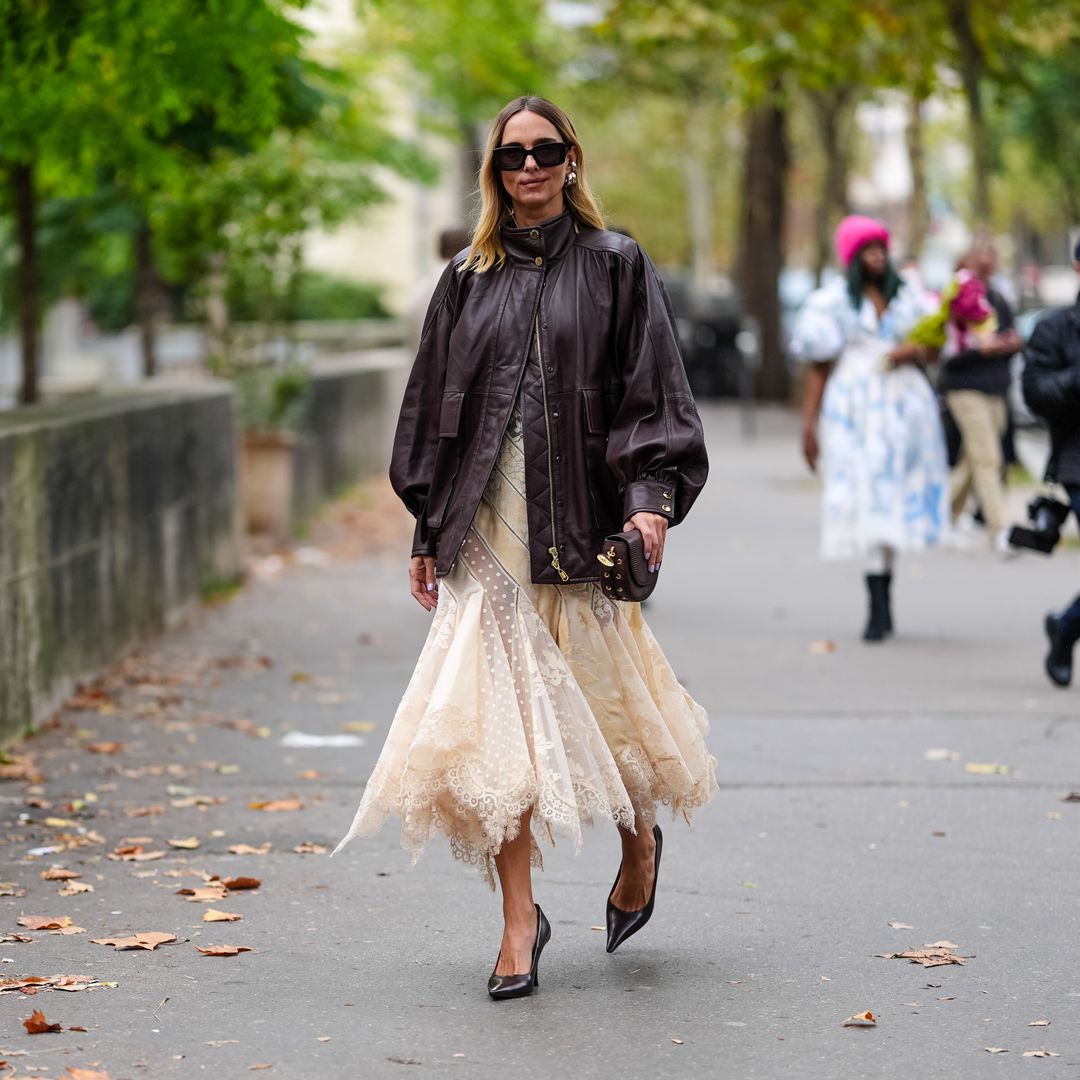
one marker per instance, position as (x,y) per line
(1046,515)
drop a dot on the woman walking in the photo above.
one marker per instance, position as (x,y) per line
(547,407)
(882,450)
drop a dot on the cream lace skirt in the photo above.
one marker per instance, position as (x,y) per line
(542,696)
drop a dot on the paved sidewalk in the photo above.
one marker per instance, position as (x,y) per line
(832,822)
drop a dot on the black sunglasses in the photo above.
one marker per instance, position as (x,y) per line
(546,154)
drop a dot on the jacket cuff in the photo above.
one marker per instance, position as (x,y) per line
(653,496)
(423,541)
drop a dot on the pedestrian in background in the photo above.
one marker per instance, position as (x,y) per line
(974,379)
(452,241)
(547,407)
(871,416)
(1052,390)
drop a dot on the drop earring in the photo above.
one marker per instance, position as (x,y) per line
(571,176)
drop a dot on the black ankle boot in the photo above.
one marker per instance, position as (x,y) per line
(879,624)
(1059,660)
(888,603)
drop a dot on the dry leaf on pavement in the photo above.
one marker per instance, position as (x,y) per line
(233,883)
(309,847)
(36,1024)
(901,926)
(71,1073)
(148,940)
(277,804)
(187,843)
(822,648)
(44,922)
(203,893)
(1071,796)
(247,849)
(863,1019)
(1039,1023)
(995,1049)
(930,957)
(69,930)
(987,768)
(11,888)
(59,873)
(214,915)
(1041,1052)
(106,747)
(223,950)
(134,853)
(73,888)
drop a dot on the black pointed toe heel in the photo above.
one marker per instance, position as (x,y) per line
(623,924)
(503,987)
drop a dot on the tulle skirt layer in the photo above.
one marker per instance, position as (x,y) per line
(548,697)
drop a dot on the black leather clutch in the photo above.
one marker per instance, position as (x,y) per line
(626,573)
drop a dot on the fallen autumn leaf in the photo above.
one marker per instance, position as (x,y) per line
(148,940)
(36,1024)
(863,1019)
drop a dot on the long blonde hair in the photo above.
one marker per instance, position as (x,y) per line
(487,250)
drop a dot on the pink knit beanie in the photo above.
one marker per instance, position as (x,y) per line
(854,233)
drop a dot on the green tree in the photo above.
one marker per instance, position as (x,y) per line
(88,89)
(471,57)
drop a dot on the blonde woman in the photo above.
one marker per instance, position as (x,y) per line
(547,407)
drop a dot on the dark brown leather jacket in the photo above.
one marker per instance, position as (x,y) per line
(578,322)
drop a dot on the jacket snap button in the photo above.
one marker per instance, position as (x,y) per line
(534,234)
(551,369)
(666,507)
(555,415)
(538,261)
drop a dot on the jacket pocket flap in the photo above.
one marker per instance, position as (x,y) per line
(594,412)
(450,415)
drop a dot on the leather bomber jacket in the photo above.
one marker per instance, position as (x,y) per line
(578,322)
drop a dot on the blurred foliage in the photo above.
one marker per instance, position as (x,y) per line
(273,398)
(318,295)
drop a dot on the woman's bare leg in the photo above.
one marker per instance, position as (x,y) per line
(638,869)
(519,911)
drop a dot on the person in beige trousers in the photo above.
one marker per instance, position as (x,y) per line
(975,383)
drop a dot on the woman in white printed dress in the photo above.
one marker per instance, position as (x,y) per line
(870,415)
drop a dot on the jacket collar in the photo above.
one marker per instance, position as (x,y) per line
(539,246)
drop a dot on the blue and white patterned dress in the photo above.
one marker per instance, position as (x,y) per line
(883,455)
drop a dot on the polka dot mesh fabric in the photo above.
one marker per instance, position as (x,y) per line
(542,696)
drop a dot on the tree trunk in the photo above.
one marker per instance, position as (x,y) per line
(832,113)
(148,297)
(919,207)
(472,154)
(216,307)
(699,194)
(972,66)
(761,242)
(29,281)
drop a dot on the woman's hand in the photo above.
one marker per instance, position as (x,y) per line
(653,529)
(908,353)
(422,581)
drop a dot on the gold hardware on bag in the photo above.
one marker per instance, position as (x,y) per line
(608,557)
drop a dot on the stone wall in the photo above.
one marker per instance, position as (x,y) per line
(115,512)
(354,409)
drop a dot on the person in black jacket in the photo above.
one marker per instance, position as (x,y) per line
(1052,390)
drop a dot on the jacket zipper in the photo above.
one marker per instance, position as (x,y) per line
(554,550)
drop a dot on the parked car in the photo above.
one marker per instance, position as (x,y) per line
(719,342)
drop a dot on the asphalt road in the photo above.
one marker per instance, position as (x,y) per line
(832,821)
